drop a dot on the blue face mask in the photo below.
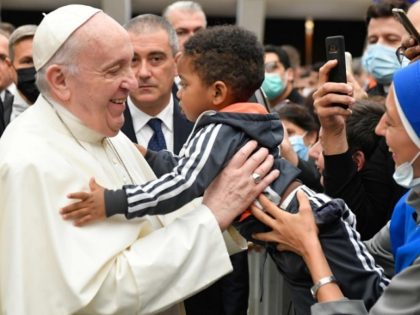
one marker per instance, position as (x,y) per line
(299,146)
(381,62)
(273,85)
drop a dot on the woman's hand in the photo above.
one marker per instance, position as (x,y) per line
(292,232)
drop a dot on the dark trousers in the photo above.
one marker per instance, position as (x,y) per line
(227,296)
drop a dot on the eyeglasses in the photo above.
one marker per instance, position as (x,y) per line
(400,53)
(271,66)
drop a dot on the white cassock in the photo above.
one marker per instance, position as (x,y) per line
(48,266)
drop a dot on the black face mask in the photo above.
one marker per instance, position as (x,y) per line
(26,83)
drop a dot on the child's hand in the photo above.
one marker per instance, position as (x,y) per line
(141,149)
(91,206)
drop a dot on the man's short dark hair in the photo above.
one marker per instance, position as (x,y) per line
(299,115)
(230,54)
(281,54)
(360,125)
(383,9)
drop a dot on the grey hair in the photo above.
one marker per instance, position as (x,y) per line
(4,33)
(151,22)
(7,28)
(18,34)
(189,6)
(65,56)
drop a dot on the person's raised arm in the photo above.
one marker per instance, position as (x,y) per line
(332,117)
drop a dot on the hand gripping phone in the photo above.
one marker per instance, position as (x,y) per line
(402,17)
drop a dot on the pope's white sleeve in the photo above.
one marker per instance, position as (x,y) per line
(235,243)
(166,266)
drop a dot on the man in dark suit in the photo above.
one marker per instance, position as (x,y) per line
(181,127)
(6,98)
(229,295)
(154,65)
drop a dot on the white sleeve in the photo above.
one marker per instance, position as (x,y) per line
(166,266)
(235,243)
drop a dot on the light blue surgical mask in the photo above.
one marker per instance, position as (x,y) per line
(404,174)
(273,85)
(299,146)
(381,62)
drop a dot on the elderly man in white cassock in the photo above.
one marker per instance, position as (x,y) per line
(143,266)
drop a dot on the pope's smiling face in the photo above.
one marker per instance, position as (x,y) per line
(103,77)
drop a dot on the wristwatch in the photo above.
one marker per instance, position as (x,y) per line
(320,283)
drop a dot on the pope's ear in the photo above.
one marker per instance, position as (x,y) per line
(58,82)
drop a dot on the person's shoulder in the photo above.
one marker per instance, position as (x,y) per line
(28,142)
(27,155)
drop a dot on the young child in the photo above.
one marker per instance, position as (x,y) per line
(219,72)
(220,69)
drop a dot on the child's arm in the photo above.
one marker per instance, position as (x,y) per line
(91,206)
(161,162)
(204,156)
(207,154)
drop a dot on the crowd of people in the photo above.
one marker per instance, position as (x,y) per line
(134,179)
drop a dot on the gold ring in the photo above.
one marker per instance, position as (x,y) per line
(256,177)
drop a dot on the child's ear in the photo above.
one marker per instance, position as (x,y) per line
(220,93)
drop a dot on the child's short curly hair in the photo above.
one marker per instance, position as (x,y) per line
(230,54)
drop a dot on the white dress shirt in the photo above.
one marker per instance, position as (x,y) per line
(2,94)
(142,129)
(19,103)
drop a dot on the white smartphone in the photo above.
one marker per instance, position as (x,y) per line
(349,62)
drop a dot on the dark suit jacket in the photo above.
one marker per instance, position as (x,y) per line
(182,127)
(5,111)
